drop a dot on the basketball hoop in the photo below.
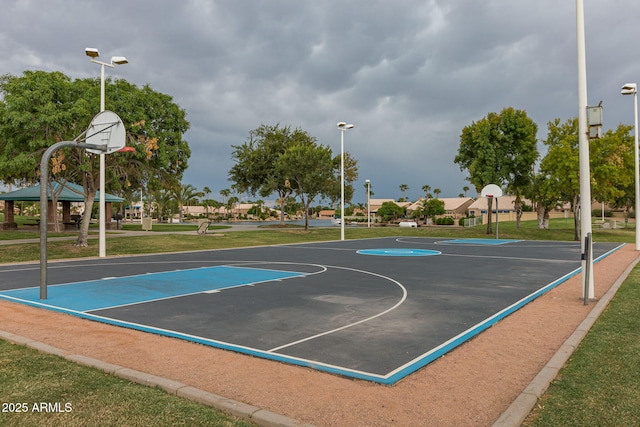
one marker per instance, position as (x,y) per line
(106,129)
(492,191)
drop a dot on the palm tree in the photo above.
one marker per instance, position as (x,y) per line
(225,193)
(465,189)
(206,191)
(403,188)
(185,194)
(161,200)
(231,203)
(437,191)
(426,188)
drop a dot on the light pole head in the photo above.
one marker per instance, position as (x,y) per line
(344,125)
(92,52)
(119,60)
(629,89)
(368,181)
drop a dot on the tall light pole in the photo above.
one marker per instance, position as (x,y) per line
(632,89)
(368,181)
(119,60)
(343,127)
(583,148)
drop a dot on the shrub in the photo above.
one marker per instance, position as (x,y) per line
(447,220)
(597,213)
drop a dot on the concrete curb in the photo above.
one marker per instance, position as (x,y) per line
(247,412)
(515,415)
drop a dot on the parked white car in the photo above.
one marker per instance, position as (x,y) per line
(408,224)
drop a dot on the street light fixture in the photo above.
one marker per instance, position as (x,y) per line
(632,89)
(342,126)
(93,53)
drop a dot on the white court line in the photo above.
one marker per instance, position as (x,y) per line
(404,297)
(517,258)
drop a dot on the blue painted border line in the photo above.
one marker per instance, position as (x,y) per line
(436,353)
(388,379)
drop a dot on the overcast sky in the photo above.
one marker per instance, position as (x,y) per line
(409,74)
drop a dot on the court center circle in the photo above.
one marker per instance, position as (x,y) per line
(398,252)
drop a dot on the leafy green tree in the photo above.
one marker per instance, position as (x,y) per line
(561,164)
(269,162)
(350,176)
(612,163)
(256,161)
(389,211)
(308,172)
(543,193)
(611,166)
(500,149)
(431,208)
(39,109)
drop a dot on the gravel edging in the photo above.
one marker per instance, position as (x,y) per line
(518,411)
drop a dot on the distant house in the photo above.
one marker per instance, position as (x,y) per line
(455,207)
(505,205)
(326,214)
(375,204)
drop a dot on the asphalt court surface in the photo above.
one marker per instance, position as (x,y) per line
(373,309)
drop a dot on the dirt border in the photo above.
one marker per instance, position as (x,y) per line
(470,386)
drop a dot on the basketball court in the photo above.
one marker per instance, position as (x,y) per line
(372,309)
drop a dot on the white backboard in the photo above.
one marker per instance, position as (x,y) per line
(106,128)
(491,190)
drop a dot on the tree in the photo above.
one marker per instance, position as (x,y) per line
(225,193)
(389,211)
(308,171)
(184,195)
(368,187)
(432,208)
(426,189)
(437,192)
(561,164)
(205,193)
(612,163)
(39,108)
(255,170)
(161,204)
(499,149)
(611,167)
(403,188)
(465,189)
(350,176)
(261,166)
(232,202)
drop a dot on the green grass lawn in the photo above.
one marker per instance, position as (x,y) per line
(560,229)
(84,396)
(598,387)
